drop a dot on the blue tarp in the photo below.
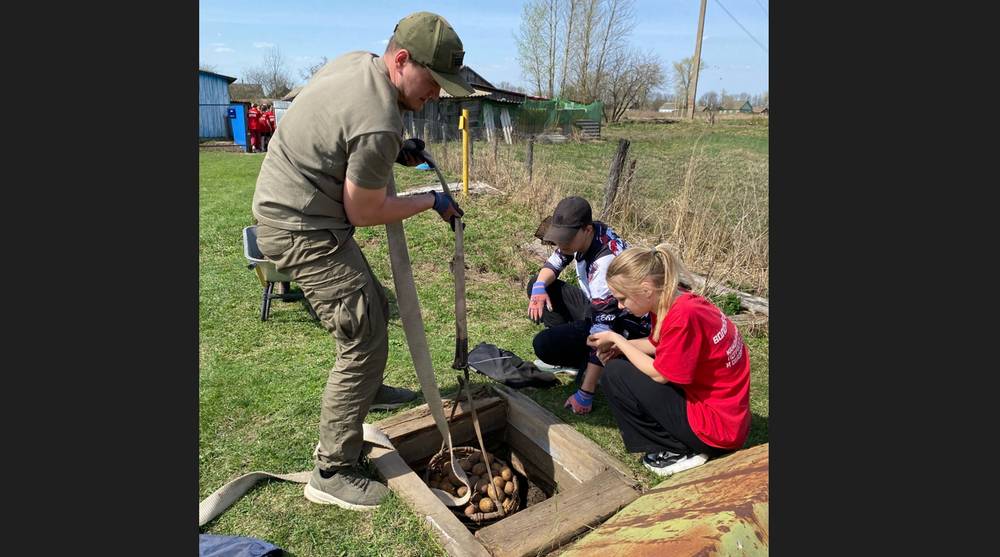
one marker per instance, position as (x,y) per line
(210,545)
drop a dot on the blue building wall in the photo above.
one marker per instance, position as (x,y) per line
(213,100)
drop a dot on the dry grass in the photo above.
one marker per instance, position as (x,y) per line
(708,198)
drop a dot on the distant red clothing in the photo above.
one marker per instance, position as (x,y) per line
(702,352)
(271,121)
(254,117)
(262,123)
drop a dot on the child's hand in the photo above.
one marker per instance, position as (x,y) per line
(603,340)
(608,354)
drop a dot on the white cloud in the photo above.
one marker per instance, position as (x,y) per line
(224,49)
(384,42)
(261,44)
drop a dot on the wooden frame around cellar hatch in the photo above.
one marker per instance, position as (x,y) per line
(591,485)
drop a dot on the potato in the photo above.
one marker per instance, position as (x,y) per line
(486,505)
(508,488)
(498,482)
(465,464)
(483,485)
(479,469)
(474,458)
(462,490)
(505,473)
(496,493)
(473,480)
(471,510)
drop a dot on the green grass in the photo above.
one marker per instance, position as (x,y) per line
(260,383)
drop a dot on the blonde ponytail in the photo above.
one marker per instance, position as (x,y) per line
(659,265)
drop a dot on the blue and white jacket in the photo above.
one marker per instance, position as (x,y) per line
(592,271)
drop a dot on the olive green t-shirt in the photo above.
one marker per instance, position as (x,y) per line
(346,122)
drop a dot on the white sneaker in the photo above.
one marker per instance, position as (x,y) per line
(667,463)
(570,371)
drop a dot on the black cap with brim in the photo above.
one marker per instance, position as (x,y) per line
(560,234)
(452,83)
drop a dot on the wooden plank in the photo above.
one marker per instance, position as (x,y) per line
(476,187)
(530,460)
(753,303)
(555,521)
(579,456)
(424,443)
(416,437)
(414,419)
(453,535)
(748,322)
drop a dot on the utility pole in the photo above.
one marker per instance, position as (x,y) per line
(696,63)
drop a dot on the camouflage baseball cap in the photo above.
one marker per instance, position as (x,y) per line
(433,43)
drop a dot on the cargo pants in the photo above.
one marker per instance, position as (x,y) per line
(351,304)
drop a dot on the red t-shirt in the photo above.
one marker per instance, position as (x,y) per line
(701,351)
(253,116)
(272,123)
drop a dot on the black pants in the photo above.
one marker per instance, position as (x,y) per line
(651,416)
(567,326)
(563,342)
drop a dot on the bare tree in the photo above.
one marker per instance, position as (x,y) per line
(272,74)
(619,22)
(568,19)
(508,86)
(208,68)
(712,103)
(308,72)
(533,45)
(683,74)
(583,44)
(632,78)
(564,46)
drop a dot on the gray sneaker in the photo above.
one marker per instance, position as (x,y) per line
(551,368)
(388,398)
(347,488)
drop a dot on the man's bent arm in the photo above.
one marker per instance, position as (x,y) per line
(370,207)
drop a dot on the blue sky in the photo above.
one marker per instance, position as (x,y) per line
(233,35)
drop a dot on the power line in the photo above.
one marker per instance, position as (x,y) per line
(762,7)
(741,26)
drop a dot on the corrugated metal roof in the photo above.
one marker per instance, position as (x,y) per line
(226,77)
(476,93)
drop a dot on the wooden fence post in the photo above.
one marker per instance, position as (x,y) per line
(531,153)
(614,175)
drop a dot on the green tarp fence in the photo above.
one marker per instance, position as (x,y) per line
(533,117)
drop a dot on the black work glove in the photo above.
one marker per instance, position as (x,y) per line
(411,154)
(448,208)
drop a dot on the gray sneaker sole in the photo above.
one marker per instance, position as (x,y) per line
(324,498)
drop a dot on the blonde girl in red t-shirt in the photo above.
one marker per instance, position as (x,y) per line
(682,395)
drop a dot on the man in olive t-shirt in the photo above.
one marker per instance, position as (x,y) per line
(327,171)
